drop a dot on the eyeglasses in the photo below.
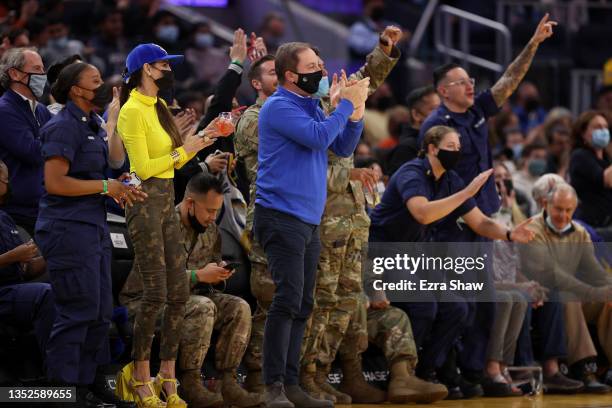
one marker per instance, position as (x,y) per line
(463,82)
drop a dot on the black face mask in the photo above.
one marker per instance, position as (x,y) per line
(384,103)
(509,185)
(166,81)
(195,224)
(309,83)
(167,95)
(377,13)
(532,104)
(102,95)
(449,158)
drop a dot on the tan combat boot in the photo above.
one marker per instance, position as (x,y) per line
(405,387)
(321,381)
(308,384)
(235,395)
(195,394)
(356,386)
(254,382)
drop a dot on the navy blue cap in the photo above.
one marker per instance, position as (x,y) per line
(146,54)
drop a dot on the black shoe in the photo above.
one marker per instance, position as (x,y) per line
(584,370)
(608,378)
(492,388)
(560,384)
(454,393)
(104,393)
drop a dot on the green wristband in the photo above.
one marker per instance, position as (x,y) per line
(194,278)
(237,63)
(104,187)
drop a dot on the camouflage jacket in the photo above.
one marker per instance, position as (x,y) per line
(344,196)
(246,143)
(200,250)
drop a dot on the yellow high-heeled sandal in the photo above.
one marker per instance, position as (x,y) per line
(172,400)
(151,401)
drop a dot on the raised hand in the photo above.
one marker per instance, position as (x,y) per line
(238,50)
(544,29)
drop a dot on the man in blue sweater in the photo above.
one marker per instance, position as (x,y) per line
(294,136)
(23,76)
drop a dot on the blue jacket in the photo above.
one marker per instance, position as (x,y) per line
(20,149)
(294,135)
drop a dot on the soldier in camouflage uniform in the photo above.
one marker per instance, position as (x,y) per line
(389,328)
(262,77)
(344,230)
(227,314)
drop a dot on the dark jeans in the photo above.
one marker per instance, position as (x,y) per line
(292,248)
(548,323)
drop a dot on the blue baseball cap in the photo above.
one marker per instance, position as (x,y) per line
(146,54)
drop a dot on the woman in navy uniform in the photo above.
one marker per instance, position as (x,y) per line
(422,194)
(72,231)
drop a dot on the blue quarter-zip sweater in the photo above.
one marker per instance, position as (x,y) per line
(20,149)
(294,136)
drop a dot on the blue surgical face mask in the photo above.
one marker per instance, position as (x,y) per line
(37,83)
(600,138)
(168,33)
(537,167)
(557,230)
(323,88)
(517,149)
(204,40)
(61,42)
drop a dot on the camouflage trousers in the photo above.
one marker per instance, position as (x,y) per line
(233,323)
(389,329)
(262,288)
(338,286)
(227,314)
(160,260)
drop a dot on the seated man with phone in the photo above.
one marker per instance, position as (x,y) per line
(208,308)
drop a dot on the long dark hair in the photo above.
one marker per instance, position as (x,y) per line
(163,113)
(581,125)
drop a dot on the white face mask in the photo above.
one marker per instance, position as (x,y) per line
(557,230)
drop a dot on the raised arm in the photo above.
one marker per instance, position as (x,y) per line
(516,71)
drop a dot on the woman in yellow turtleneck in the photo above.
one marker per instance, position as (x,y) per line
(155,148)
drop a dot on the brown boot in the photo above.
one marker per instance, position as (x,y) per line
(321,381)
(254,382)
(235,395)
(308,384)
(356,386)
(405,387)
(195,394)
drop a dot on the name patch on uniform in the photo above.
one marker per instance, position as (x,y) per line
(91,138)
(118,241)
